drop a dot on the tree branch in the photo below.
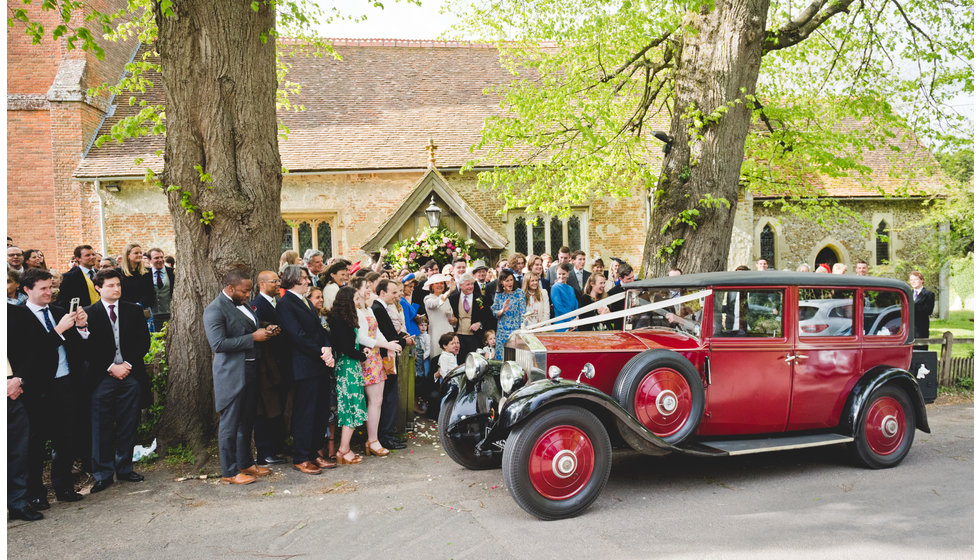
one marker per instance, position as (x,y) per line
(799,29)
(657,41)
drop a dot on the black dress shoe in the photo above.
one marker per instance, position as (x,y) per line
(27,514)
(393,445)
(39,504)
(101,485)
(270,460)
(131,477)
(68,496)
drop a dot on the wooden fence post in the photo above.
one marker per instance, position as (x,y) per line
(946,359)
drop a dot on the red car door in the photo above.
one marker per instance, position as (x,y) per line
(750,362)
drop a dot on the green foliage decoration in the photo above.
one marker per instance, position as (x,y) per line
(156,362)
(438,243)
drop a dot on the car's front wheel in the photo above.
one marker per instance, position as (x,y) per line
(461,447)
(885,429)
(557,463)
(664,392)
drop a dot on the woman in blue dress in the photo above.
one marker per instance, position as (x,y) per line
(508,305)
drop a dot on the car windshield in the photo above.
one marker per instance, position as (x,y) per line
(684,317)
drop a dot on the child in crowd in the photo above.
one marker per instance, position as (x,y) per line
(489,343)
(563,296)
(449,343)
(423,346)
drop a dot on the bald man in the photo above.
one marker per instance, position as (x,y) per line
(273,375)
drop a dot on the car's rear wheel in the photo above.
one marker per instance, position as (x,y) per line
(885,428)
(557,463)
(664,392)
(462,447)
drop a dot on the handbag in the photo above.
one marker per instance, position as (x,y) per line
(388,362)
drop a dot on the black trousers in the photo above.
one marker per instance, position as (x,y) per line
(158,320)
(389,409)
(310,412)
(52,416)
(18,442)
(115,417)
(235,423)
(468,343)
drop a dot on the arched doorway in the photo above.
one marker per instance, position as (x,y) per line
(827,256)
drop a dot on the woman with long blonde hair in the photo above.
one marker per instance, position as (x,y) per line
(137,283)
(537,298)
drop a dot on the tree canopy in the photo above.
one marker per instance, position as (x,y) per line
(594,82)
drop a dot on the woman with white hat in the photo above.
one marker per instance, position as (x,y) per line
(437,308)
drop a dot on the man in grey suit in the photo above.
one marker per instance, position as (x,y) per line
(232,330)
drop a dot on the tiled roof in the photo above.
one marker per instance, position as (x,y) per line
(377,108)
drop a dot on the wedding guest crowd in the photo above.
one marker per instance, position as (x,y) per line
(309,354)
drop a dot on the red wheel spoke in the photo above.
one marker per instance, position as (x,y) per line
(561,462)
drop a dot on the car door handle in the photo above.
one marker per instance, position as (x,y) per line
(801,357)
(789,358)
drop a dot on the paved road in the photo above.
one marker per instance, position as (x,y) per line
(419,504)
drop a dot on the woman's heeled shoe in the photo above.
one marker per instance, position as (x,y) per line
(343,460)
(368,450)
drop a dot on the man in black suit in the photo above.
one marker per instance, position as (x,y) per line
(18,438)
(925,302)
(625,277)
(272,361)
(388,294)
(311,356)
(579,276)
(160,283)
(44,347)
(118,341)
(79,282)
(471,315)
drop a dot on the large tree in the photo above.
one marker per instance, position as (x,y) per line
(216,61)
(800,88)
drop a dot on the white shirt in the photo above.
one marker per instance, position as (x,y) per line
(162,272)
(245,310)
(115,327)
(270,299)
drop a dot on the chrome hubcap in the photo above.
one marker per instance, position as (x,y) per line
(666,403)
(889,426)
(564,463)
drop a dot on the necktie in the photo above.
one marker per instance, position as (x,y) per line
(47,320)
(91,274)
(159,279)
(466,304)
(112,312)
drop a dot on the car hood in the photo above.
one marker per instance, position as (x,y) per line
(616,341)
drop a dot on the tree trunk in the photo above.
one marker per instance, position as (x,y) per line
(718,65)
(220,83)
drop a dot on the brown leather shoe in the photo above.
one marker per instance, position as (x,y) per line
(324,464)
(239,478)
(256,470)
(307,467)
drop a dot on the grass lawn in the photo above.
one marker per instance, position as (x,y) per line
(960,323)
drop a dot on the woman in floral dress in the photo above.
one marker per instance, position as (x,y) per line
(372,368)
(351,407)
(508,305)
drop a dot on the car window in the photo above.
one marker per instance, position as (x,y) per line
(748,313)
(826,312)
(683,317)
(882,312)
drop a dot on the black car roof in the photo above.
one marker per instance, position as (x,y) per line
(775,278)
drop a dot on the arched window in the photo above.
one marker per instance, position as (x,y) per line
(305,238)
(882,238)
(827,256)
(537,237)
(301,232)
(574,233)
(520,235)
(767,245)
(557,236)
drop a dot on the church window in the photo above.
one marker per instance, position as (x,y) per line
(549,233)
(301,232)
(882,239)
(767,245)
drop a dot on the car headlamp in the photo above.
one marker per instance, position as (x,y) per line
(476,365)
(512,377)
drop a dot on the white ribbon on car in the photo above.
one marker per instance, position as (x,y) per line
(544,326)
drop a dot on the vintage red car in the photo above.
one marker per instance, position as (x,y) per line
(707,364)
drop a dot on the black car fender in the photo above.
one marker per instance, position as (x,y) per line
(874,378)
(538,396)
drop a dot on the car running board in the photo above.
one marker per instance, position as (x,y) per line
(747,446)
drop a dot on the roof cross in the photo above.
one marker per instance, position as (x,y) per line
(431,148)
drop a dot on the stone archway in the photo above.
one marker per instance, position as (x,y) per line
(827,256)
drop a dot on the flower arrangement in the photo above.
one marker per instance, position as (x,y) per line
(437,243)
